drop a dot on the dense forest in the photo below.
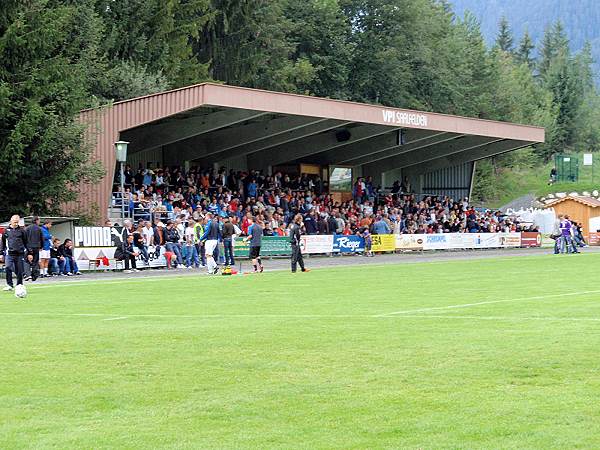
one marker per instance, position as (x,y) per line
(59,56)
(580,18)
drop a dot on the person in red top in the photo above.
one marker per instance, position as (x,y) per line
(246,222)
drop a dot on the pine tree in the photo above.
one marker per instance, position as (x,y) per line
(504,39)
(525,51)
(46,48)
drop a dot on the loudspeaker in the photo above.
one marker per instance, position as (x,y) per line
(401,140)
(343,135)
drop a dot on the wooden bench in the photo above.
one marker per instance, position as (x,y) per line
(96,264)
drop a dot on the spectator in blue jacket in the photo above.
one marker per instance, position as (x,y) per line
(381,227)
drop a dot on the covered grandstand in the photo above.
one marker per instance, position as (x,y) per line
(211,125)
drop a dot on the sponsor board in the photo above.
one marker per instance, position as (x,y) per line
(510,239)
(410,241)
(84,254)
(531,240)
(316,243)
(348,244)
(270,246)
(383,242)
(593,239)
(486,240)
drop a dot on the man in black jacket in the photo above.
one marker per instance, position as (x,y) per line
(35,240)
(13,248)
(126,252)
(295,232)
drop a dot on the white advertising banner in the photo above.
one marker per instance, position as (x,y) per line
(107,254)
(316,243)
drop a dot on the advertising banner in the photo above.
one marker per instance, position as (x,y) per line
(316,243)
(435,241)
(410,241)
(594,238)
(348,244)
(271,246)
(531,240)
(486,240)
(383,243)
(85,254)
(510,239)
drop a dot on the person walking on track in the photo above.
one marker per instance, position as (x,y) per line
(295,233)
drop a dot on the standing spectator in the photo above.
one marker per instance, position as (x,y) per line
(46,245)
(228,236)
(380,226)
(255,234)
(13,248)
(191,251)
(35,240)
(295,233)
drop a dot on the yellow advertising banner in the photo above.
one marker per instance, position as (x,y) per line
(383,243)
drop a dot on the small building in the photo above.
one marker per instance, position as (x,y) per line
(584,210)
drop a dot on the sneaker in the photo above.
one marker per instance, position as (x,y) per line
(8,288)
(69,274)
(261,269)
(305,270)
(77,273)
(216,271)
(128,271)
(27,278)
(135,270)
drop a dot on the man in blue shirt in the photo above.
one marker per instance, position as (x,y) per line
(211,236)
(381,227)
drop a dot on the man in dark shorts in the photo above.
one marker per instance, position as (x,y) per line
(255,234)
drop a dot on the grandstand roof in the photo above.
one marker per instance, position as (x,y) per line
(211,123)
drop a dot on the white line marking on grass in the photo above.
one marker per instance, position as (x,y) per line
(498,318)
(490,302)
(190,316)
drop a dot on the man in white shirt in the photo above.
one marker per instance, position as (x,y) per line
(191,252)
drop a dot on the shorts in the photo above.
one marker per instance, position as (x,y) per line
(254,252)
(209,246)
(44,254)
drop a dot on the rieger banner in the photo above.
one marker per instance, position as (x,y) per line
(410,241)
(348,244)
(316,244)
(383,242)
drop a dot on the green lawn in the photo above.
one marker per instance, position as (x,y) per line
(310,360)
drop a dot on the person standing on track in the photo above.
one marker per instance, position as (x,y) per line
(255,234)
(211,238)
(295,232)
(35,241)
(13,248)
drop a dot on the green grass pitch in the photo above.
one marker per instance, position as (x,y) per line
(489,353)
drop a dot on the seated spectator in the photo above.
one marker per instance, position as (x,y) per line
(126,252)
(66,250)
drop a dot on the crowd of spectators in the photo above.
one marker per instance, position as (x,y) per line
(171,194)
